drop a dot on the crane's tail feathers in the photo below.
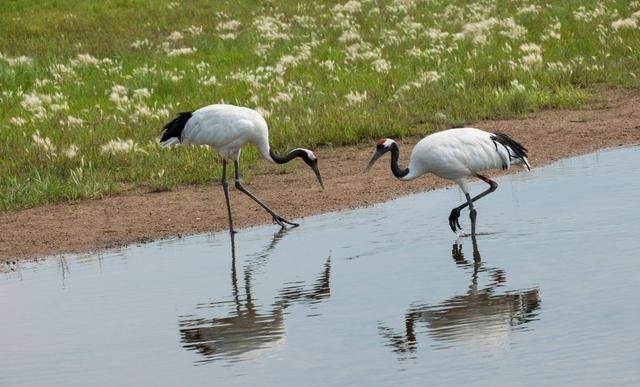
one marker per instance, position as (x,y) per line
(173,130)
(525,162)
(516,151)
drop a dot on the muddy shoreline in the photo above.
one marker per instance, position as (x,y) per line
(612,119)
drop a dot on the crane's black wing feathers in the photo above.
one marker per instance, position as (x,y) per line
(175,127)
(511,145)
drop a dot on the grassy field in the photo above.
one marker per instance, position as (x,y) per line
(86,86)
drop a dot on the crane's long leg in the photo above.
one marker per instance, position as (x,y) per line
(226,195)
(455,213)
(276,218)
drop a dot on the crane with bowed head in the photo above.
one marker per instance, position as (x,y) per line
(227,128)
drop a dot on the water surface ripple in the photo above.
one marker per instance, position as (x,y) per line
(385,295)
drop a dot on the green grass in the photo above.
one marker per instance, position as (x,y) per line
(76,75)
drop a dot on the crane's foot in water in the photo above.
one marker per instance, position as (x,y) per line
(454,220)
(283,222)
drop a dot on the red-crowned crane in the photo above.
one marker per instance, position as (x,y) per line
(457,154)
(227,128)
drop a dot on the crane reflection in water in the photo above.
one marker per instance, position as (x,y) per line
(247,331)
(482,315)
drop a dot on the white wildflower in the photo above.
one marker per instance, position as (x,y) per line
(17,61)
(39,104)
(228,36)
(402,5)
(119,95)
(477,31)
(532,8)
(120,146)
(552,32)
(349,36)
(141,93)
(512,30)
(287,61)
(440,116)
(393,37)
(362,51)
(230,25)
(71,152)
(271,28)
(110,65)
(559,67)
(355,97)
(517,86)
(45,144)
(430,76)
(175,36)
(140,112)
(584,14)
(211,81)
(39,83)
(17,121)
(181,51)
(60,71)
(32,102)
(202,67)
(194,30)
(305,21)
(479,27)
(351,6)
(263,112)
(257,81)
(328,64)
(434,34)
(417,52)
(86,59)
(74,121)
(530,48)
(531,60)
(281,97)
(424,78)
(56,107)
(162,113)
(140,43)
(628,23)
(381,65)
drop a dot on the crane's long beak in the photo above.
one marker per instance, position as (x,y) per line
(375,157)
(317,172)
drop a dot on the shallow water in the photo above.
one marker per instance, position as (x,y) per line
(386,295)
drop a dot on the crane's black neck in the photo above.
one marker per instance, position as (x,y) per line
(288,157)
(395,155)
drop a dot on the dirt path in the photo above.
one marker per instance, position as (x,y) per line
(612,120)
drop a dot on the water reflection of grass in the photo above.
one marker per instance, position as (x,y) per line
(86,86)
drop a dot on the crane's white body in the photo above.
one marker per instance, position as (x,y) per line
(227,128)
(455,154)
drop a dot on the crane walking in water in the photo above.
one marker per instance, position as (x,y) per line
(457,154)
(227,128)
